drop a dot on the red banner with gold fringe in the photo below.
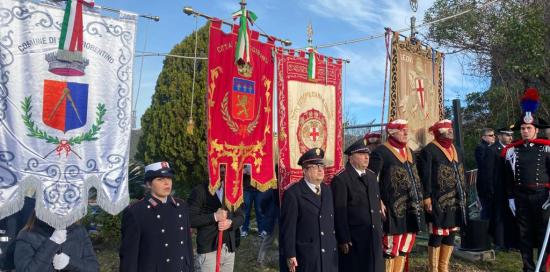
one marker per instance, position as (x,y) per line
(310,113)
(240,103)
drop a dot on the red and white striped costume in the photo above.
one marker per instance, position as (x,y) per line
(394,244)
(441,231)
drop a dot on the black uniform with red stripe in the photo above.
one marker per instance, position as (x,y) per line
(527,173)
(156,237)
(358,220)
(398,194)
(440,173)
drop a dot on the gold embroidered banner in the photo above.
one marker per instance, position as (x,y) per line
(310,113)
(416,88)
(240,116)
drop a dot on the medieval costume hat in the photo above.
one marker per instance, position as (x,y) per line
(530,102)
(157,170)
(396,125)
(373,137)
(441,127)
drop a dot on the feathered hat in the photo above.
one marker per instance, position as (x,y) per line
(530,102)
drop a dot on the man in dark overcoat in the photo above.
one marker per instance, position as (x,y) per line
(503,226)
(307,219)
(357,210)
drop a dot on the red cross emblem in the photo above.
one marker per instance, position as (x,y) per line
(314,133)
(420,91)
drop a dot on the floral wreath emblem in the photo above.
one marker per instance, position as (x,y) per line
(62,144)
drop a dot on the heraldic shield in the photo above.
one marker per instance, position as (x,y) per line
(65,104)
(242,99)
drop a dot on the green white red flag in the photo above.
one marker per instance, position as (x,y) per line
(70,40)
(242,51)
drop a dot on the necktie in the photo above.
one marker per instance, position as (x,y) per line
(317,190)
(402,152)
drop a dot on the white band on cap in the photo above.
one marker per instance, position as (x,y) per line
(157,166)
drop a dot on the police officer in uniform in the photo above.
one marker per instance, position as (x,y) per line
(155,230)
(401,194)
(442,174)
(357,211)
(307,219)
(527,173)
(503,225)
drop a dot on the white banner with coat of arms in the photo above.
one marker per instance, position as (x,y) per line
(65,118)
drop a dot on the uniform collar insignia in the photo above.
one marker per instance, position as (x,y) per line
(153,201)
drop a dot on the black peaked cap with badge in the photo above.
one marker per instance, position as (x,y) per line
(359,146)
(505,131)
(312,156)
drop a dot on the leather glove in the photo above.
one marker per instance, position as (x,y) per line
(59,236)
(60,261)
(512,205)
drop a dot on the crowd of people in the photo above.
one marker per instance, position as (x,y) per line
(366,220)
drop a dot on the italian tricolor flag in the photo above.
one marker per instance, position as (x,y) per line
(242,51)
(70,41)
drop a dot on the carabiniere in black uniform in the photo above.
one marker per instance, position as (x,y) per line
(527,176)
(528,167)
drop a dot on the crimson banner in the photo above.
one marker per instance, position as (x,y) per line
(310,113)
(240,104)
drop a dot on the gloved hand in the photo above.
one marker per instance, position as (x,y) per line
(546,204)
(59,236)
(512,205)
(60,261)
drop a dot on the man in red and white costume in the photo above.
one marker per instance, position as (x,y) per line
(442,174)
(401,194)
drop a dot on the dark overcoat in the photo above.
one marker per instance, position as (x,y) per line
(307,228)
(358,220)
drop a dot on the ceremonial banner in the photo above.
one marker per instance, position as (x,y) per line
(64,111)
(240,104)
(416,91)
(310,112)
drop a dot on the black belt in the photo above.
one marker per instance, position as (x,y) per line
(534,186)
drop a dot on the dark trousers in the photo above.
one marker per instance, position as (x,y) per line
(532,221)
(487,208)
(253,197)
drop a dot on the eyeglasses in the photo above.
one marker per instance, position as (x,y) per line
(316,167)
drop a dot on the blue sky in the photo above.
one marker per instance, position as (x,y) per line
(332,20)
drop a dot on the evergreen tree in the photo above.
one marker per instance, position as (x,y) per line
(164,123)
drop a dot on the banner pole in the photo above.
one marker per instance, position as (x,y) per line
(190,11)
